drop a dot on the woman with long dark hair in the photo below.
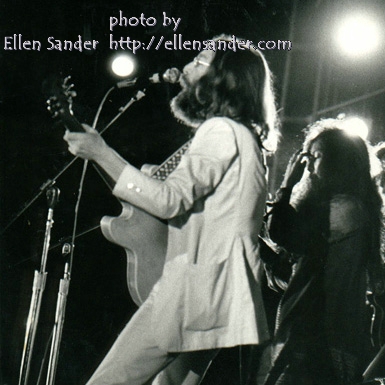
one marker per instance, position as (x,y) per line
(325,231)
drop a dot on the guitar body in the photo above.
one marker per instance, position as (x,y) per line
(144,239)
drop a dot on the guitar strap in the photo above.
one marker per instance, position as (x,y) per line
(167,167)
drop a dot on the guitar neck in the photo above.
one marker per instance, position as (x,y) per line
(61,107)
(71,123)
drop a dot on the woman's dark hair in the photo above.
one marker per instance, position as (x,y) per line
(346,164)
(238,85)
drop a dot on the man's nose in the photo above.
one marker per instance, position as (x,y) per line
(309,165)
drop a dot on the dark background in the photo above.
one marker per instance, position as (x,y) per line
(32,150)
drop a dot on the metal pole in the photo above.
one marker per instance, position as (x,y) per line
(285,89)
(58,327)
(37,292)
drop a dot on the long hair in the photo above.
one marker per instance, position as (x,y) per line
(346,161)
(238,85)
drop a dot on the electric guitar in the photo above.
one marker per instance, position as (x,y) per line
(143,236)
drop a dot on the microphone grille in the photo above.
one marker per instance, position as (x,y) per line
(172,75)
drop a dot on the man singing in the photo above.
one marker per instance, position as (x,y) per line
(209,294)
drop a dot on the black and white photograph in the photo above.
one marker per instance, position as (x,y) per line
(192,192)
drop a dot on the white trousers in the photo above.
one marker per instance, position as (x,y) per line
(135,358)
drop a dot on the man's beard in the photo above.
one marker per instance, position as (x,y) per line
(184,106)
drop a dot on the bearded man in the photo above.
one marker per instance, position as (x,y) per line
(209,294)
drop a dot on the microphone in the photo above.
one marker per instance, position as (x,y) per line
(171,75)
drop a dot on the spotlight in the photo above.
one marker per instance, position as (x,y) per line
(355,126)
(122,65)
(358,35)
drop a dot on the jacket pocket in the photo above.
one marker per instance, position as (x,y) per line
(206,296)
(190,298)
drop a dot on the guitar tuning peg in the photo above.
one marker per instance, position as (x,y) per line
(69,91)
(51,100)
(67,86)
(65,83)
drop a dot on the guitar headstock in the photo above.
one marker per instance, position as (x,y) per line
(61,102)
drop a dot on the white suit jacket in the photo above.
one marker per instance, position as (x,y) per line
(209,295)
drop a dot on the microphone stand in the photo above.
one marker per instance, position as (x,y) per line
(37,291)
(69,249)
(41,276)
(59,320)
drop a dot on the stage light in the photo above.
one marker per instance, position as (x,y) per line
(122,65)
(358,35)
(355,126)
